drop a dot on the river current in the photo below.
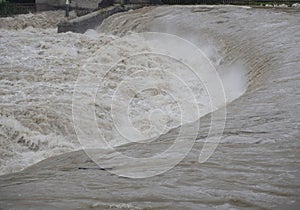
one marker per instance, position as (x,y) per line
(255,52)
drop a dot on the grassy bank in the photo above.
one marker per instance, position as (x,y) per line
(7,8)
(12,7)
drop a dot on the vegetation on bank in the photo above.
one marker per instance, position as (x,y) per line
(13,7)
(7,8)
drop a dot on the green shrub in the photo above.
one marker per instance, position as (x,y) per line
(7,8)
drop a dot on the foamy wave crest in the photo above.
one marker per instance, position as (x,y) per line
(139,87)
(38,70)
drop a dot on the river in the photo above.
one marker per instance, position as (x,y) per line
(255,165)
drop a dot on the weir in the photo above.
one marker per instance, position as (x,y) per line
(92,20)
(95,11)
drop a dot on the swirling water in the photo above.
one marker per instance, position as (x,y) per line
(256,164)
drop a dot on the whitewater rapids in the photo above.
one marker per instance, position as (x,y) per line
(256,166)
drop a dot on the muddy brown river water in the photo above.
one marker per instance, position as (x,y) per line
(255,165)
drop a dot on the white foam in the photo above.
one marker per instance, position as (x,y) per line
(39,69)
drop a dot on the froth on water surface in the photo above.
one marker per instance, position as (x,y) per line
(256,164)
(39,69)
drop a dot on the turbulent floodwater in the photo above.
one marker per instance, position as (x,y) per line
(39,72)
(256,54)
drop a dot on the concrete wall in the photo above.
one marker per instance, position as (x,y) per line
(84,4)
(55,3)
(89,4)
(91,20)
(42,5)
